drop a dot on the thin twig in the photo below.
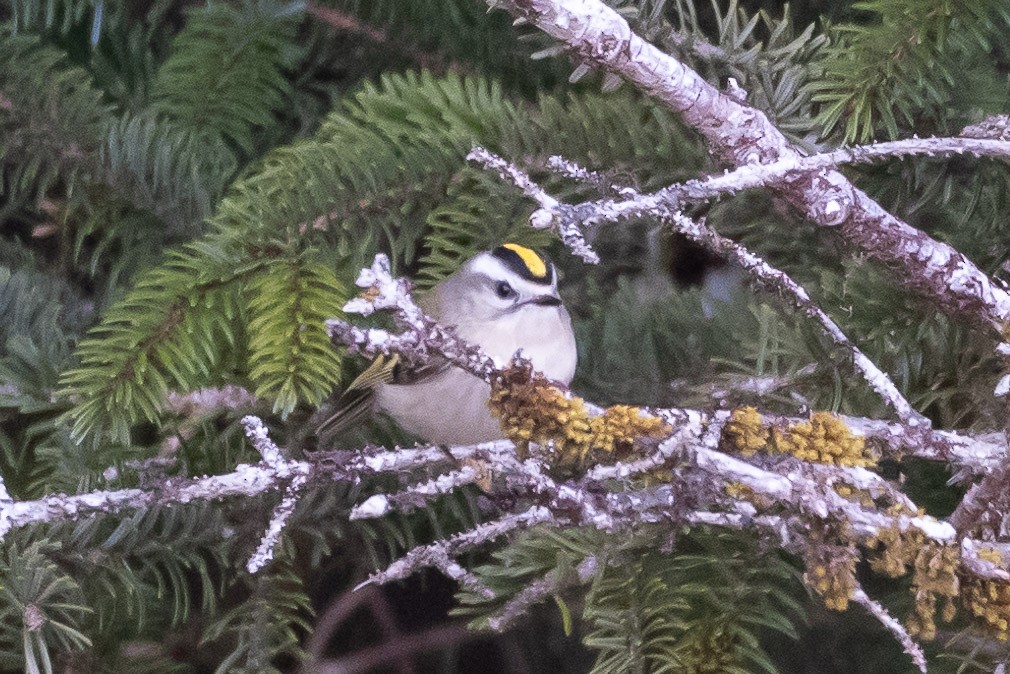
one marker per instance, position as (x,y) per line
(767,175)
(759,271)
(542,218)
(875,608)
(740,135)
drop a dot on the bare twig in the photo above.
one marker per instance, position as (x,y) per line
(543,218)
(440,555)
(759,271)
(416,496)
(770,174)
(534,593)
(740,135)
(913,649)
(422,339)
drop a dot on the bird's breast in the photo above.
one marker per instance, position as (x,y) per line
(543,334)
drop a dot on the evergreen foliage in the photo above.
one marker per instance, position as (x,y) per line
(647,611)
(904,72)
(53,126)
(187,193)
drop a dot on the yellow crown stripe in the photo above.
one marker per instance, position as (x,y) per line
(534,263)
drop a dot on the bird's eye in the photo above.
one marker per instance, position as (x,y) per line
(503,290)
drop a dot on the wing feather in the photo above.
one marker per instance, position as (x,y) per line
(357,402)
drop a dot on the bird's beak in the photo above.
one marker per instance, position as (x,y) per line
(546,301)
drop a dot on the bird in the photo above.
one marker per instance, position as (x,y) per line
(504,300)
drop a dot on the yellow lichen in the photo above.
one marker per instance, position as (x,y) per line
(742,492)
(825,439)
(897,550)
(831,573)
(745,432)
(530,409)
(616,430)
(739,490)
(988,600)
(934,577)
(990,555)
(860,496)
(934,574)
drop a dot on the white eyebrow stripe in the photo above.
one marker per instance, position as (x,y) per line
(490,266)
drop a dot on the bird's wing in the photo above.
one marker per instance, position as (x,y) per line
(357,402)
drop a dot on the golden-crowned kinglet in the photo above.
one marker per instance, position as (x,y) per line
(503,300)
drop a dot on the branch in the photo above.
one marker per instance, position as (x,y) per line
(298,472)
(739,135)
(913,649)
(769,175)
(985,497)
(441,554)
(778,282)
(244,480)
(422,340)
(208,401)
(570,233)
(414,497)
(761,274)
(534,593)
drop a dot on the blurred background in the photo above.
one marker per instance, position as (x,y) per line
(187,190)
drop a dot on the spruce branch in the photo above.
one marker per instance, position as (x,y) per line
(772,173)
(534,593)
(761,274)
(739,135)
(877,610)
(296,472)
(571,235)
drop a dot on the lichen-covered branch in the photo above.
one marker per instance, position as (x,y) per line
(274,473)
(570,233)
(739,135)
(423,338)
(442,555)
(770,174)
(760,273)
(876,609)
(806,484)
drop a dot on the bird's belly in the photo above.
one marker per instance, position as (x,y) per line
(449,409)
